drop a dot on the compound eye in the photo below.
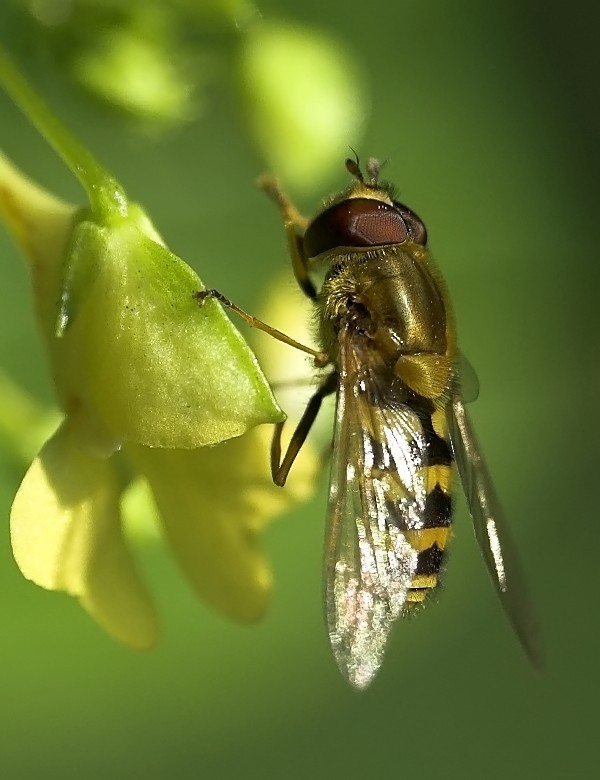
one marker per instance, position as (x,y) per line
(356,222)
(417,231)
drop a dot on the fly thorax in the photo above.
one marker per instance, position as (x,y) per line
(338,302)
(404,301)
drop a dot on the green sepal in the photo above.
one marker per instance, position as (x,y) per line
(137,359)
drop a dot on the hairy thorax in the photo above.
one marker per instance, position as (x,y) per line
(391,297)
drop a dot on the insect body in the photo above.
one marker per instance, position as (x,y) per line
(385,318)
(386,329)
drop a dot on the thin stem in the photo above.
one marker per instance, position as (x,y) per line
(107,198)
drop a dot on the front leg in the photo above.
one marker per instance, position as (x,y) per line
(293,222)
(321,358)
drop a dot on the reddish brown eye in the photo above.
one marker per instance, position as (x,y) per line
(416,229)
(355,222)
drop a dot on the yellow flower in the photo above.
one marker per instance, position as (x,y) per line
(145,379)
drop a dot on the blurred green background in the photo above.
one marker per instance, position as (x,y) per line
(488,116)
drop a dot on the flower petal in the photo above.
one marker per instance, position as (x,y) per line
(66,535)
(213,502)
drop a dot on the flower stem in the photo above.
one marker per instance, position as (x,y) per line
(107,198)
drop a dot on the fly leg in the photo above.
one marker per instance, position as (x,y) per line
(281,468)
(321,358)
(293,222)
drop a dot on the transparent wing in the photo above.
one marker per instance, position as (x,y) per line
(377,493)
(492,534)
(469,382)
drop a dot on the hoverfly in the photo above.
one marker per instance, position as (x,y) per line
(387,334)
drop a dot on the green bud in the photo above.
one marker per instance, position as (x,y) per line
(137,75)
(304,97)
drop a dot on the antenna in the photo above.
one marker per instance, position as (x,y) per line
(353,167)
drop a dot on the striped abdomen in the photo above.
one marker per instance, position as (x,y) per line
(430,540)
